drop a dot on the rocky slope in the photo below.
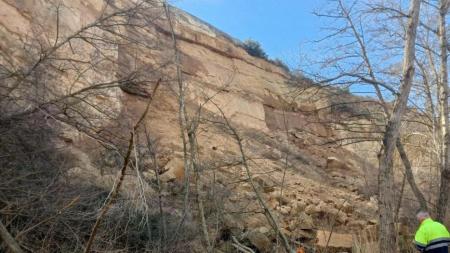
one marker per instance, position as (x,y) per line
(290,127)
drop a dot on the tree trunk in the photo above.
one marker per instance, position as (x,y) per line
(194,161)
(387,232)
(410,176)
(182,117)
(444,124)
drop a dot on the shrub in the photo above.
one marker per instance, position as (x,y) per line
(344,90)
(36,186)
(281,63)
(253,48)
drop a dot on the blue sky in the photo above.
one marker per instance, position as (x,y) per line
(283,28)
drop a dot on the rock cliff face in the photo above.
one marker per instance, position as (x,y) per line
(289,125)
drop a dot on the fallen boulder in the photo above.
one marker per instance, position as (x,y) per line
(334,163)
(260,241)
(336,241)
(173,171)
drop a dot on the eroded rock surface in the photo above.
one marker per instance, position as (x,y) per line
(307,180)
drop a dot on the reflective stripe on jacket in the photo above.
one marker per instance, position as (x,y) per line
(431,235)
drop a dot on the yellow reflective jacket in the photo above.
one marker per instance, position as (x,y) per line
(431,235)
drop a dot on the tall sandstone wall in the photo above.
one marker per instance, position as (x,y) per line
(276,114)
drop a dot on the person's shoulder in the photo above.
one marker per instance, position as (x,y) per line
(437,223)
(427,227)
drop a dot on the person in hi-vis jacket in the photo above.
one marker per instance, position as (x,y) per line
(431,236)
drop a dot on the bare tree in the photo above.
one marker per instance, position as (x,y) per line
(376,84)
(188,127)
(387,233)
(353,64)
(444,111)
